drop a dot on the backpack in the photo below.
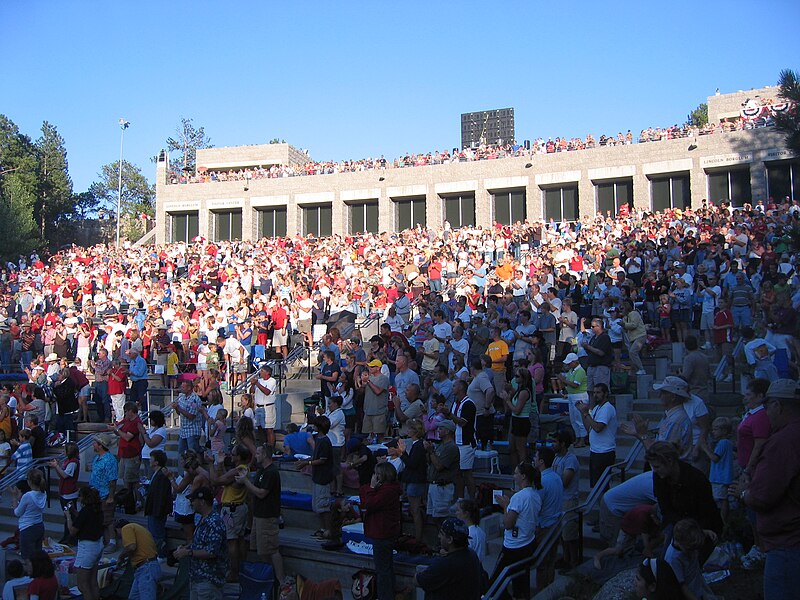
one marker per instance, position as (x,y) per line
(364,585)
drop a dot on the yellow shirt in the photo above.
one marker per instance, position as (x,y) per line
(172,363)
(133,533)
(498,351)
(233,493)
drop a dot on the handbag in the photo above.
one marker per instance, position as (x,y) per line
(364,586)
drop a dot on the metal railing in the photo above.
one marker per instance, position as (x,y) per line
(523,567)
(21,473)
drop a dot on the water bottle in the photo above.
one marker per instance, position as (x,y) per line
(263,596)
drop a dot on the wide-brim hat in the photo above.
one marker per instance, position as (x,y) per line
(52,357)
(674,385)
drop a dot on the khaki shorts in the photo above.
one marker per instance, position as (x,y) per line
(374,424)
(304,326)
(570,531)
(264,536)
(109,510)
(130,469)
(235,519)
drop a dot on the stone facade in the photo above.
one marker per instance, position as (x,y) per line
(638,164)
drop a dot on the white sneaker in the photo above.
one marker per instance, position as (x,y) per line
(641,372)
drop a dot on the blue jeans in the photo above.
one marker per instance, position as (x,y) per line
(190,443)
(103,400)
(30,539)
(65,423)
(158,528)
(781,575)
(384,567)
(145,581)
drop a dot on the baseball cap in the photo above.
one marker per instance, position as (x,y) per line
(375,363)
(570,358)
(447,424)
(455,528)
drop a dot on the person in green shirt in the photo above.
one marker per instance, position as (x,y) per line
(574,380)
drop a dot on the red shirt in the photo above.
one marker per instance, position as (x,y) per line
(46,589)
(129,449)
(117,387)
(723,317)
(381,510)
(279,317)
(754,426)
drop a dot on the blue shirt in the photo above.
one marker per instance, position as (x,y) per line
(137,369)
(722,470)
(210,536)
(104,471)
(551,494)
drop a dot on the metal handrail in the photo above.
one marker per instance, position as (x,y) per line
(524,565)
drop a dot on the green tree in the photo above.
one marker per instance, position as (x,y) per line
(18,191)
(138,196)
(188,140)
(788,122)
(55,200)
(699,116)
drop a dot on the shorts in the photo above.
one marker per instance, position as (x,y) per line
(240,367)
(264,535)
(265,416)
(440,498)
(130,469)
(617,345)
(235,519)
(374,424)
(350,421)
(320,498)
(719,491)
(304,326)
(569,533)
(681,315)
(665,322)
(89,553)
(279,338)
(417,490)
(86,391)
(706,321)
(520,426)
(467,461)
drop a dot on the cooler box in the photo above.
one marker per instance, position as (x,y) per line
(296,500)
(354,533)
(556,406)
(255,579)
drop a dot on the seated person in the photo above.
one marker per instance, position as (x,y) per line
(298,442)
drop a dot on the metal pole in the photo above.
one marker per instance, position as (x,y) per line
(123,125)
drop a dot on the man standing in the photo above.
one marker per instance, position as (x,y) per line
(463,414)
(209,559)
(101,368)
(498,352)
(772,492)
(376,400)
(695,368)
(234,504)
(600,418)
(104,480)
(636,333)
(188,407)
(263,390)
(321,464)
(443,463)
(551,493)
(402,379)
(600,355)
(139,547)
(266,491)
(129,450)
(137,370)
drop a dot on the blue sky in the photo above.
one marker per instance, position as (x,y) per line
(356,79)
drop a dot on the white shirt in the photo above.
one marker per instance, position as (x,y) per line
(695,408)
(336,432)
(477,541)
(606,440)
(527,503)
(262,399)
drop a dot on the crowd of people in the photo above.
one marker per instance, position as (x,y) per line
(482,330)
(482,152)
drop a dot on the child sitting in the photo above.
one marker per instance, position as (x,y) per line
(5,452)
(682,555)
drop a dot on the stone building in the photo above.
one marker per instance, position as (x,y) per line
(742,166)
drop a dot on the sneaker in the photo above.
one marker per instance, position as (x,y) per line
(641,372)
(753,559)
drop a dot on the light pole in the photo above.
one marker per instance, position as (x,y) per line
(123,125)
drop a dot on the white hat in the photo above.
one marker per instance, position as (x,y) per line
(52,357)
(570,358)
